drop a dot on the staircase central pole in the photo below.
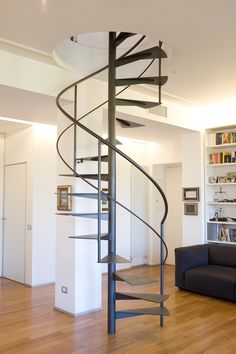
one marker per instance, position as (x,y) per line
(111,183)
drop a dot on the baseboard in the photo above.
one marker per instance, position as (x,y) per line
(79,314)
(39,285)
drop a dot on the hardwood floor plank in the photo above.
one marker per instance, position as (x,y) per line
(197,324)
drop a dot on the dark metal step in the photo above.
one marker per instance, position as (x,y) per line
(104,158)
(151,53)
(104,176)
(141,104)
(87,195)
(153,80)
(143,311)
(122,36)
(114,258)
(133,279)
(139,296)
(104,216)
(104,236)
(128,124)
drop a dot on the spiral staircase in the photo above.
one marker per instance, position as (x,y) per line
(76,125)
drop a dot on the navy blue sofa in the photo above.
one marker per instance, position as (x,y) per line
(208,269)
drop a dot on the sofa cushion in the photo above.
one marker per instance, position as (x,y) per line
(212,280)
(222,255)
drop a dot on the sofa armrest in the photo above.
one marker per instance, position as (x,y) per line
(186,258)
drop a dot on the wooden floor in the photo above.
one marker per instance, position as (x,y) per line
(197,324)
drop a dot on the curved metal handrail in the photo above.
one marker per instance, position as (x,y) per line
(105,142)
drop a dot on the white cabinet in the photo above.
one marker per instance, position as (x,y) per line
(221,185)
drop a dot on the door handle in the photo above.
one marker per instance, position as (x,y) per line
(3,218)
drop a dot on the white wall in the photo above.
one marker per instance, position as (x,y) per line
(36,146)
(44,201)
(193,176)
(1,196)
(76,260)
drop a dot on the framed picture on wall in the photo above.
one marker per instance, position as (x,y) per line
(190,209)
(191,193)
(63,197)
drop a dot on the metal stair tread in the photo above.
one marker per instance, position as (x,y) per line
(151,80)
(104,176)
(163,311)
(128,124)
(133,280)
(104,236)
(114,258)
(88,195)
(150,53)
(141,104)
(157,298)
(104,158)
(104,216)
(122,36)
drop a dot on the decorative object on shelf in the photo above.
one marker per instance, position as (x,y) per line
(218,216)
(190,209)
(191,193)
(63,199)
(220,196)
(230,177)
(213,179)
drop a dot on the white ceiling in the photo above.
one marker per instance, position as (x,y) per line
(200,34)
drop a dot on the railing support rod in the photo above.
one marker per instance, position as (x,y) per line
(111,183)
(99,199)
(75,127)
(161,271)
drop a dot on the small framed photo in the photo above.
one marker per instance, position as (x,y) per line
(63,197)
(190,209)
(191,193)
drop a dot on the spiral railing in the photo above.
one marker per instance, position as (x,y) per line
(113,99)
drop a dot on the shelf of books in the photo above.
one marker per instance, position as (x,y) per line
(220,156)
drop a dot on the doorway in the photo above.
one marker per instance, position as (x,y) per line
(169,177)
(14,222)
(173,228)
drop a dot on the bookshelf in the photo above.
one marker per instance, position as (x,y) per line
(220,188)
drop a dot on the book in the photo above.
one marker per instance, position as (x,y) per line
(226,157)
(232,235)
(219,138)
(211,139)
(226,138)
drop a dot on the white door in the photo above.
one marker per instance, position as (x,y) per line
(173,226)
(139,203)
(14,224)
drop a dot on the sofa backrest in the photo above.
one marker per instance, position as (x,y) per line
(222,255)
